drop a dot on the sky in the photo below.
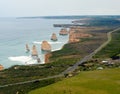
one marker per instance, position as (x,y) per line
(23,8)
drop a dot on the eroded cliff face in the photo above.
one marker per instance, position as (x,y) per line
(75,34)
(1,67)
(34,51)
(45,46)
(63,31)
(54,37)
(47,56)
(73,38)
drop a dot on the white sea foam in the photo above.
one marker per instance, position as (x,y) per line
(23,59)
(56,49)
(37,42)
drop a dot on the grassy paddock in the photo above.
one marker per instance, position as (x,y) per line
(91,82)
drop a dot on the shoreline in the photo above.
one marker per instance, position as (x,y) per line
(19,58)
(32,61)
(28,31)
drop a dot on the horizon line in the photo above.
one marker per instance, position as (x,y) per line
(59,16)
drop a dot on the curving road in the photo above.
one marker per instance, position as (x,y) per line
(70,69)
(88,57)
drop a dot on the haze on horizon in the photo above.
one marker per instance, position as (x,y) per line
(20,8)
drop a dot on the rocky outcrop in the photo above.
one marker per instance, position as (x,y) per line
(54,37)
(47,56)
(45,46)
(83,35)
(72,38)
(79,29)
(27,48)
(1,67)
(38,60)
(63,31)
(71,31)
(34,51)
(75,35)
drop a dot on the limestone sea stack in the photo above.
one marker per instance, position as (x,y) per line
(45,46)
(27,48)
(34,51)
(63,31)
(1,67)
(54,37)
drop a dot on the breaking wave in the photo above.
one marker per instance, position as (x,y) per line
(23,59)
(37,42)
(56,49)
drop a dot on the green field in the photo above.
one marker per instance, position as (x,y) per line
(90,82)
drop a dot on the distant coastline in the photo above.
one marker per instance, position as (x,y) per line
(68,17)
(52,17)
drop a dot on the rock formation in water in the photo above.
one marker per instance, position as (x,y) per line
(38,60)
(63,31)
(1,67)
(47,56)
(27,48)
(45,46)
(34,51)
(54,37)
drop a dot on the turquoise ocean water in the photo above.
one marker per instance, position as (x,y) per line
(15,33)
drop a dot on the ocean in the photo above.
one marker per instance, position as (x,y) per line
(15,33)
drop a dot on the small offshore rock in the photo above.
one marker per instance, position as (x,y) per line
(34,51)
(27,48)
(63,31)
(54,37)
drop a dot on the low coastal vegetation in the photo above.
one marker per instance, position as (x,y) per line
(24,73)
(25,88)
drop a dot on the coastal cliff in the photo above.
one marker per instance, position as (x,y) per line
(73,38)
(1,67)
(75,34)
(47,56)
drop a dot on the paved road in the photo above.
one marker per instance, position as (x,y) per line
(88,57)
(70,69)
